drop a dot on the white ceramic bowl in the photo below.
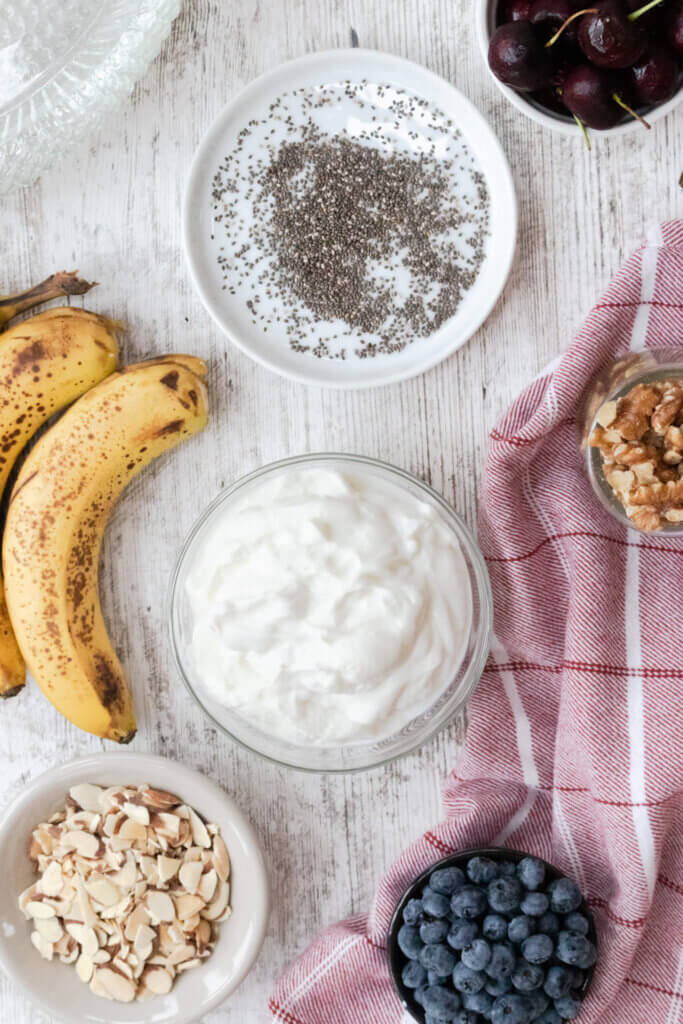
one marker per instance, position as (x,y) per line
(203,243)
(55,987)
(486,24)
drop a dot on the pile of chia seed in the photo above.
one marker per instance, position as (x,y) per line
(358,241)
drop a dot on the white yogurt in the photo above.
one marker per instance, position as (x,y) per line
(328,607)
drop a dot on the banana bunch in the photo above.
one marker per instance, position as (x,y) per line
(62,500)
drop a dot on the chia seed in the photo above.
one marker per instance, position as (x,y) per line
(359,239)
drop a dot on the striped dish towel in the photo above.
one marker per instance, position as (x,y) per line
(574,749)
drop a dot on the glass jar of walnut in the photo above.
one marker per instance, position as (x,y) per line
(634,435)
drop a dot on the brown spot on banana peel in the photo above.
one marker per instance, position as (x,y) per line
(171,380)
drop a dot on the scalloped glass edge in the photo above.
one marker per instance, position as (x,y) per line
(96,79)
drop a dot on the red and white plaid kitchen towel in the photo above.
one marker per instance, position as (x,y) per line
(575,744)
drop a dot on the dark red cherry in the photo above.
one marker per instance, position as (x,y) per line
(674,28)
(552,14)
(518,57)
(654,77)
(609,38)
(588,93)
(515,10)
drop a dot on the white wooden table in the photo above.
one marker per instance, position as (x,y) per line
(112,209)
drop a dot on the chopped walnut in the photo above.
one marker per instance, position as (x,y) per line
(640,437)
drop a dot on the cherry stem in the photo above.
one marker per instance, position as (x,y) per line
(643,10)
(577,14)
(583,129)
(629,110)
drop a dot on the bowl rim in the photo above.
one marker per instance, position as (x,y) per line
(471,550)
(504,256)
(98,763)
(557,124)
(455,860)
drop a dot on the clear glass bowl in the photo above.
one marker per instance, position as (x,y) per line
(615,381)
(64,64)
(348,757)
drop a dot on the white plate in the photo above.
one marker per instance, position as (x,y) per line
(230,313)
(54,986)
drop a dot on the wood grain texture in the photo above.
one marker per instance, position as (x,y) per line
(112,209)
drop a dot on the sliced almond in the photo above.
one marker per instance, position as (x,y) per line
(84,843)
(221,860)
(43,947)
(126,876)
(50,929)
(135,920)
(52,880)
(84,968)
(103,891)
(188,905)
(132,830)
(164,823)
(159,905)
(218,903)
(167,867)
(98,989)
(159,799)
(181,953)
(101,957)
(39,909)
(188,964)
(26,897)
(87,796)
(84,820)
(207,885)
(122,966)
(118,986)
(136,812)
(199,834)
(190,875)
(158,980)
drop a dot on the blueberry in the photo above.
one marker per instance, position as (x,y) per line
(446,880)
(467,980)
(465,1017)
(432,932)
(481,870)
(435,904)
(434,978)
(511,1009)
(558,981)
(549,1017)
(437,958)
(413,912)
(520,928)
(539,1002)
(478,1002)
(537,949)
(409,941)
(440,1002)
(498,986)
(504,894)
(567,1007)
(413,974)
(431,1019)
(418,995)
(527,977)
(531,872)
(535,904)
(549,923)
(462,933)
(507,868)
(576,950)
(468,902)
(495,927)
(575,922)
(502,962)
(565,896)
(577,977)
(477,955)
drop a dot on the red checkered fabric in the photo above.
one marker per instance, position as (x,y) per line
(574,749)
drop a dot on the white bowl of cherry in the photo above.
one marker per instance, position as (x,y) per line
(611,66)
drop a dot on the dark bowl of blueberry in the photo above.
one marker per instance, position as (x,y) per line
(611,66)
(492,935)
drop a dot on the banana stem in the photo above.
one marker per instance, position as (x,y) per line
(629,110)
(643,10)
(583,129)
(570,19)
(54,287)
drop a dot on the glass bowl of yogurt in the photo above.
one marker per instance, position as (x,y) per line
(330,612)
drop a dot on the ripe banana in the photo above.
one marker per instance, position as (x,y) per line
(57,515)
(45,364)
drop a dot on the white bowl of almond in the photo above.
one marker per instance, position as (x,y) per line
(134,889)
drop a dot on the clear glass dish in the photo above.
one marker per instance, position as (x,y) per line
(615,381)
(353,756)
(65,65)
